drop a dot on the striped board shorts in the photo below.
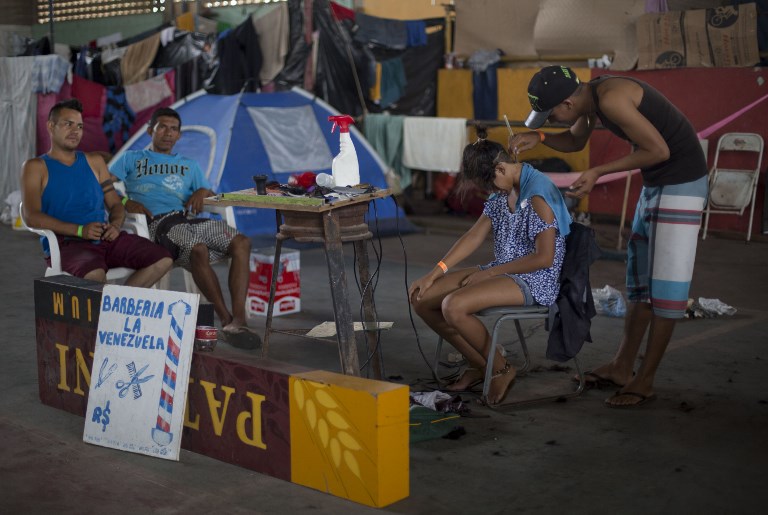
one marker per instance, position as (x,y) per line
(662,247)
(181,234)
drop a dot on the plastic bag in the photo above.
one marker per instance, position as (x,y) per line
(609,301)
(708,308)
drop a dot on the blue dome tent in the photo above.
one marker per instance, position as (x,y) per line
(234,137)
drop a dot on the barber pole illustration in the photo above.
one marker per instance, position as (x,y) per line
(161,432)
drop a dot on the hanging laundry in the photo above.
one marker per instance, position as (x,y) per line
(137,59)
(205,25)
(92,95)
(434,143)
(393,81)
(342,13)
(385,133)
(381,31)
(49,72)
(273,32)
(239,60)
(81,66)
(166,35)
(148,93)
(484,65)
(417,33)
(485,93)
(118,118)
(17,120)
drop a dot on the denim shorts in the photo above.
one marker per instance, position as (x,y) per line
(527,297)
(524,288)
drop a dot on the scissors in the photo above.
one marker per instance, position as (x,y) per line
(135,381)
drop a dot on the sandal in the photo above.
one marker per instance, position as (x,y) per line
(242,337)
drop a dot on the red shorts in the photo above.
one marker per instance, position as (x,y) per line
(79,257)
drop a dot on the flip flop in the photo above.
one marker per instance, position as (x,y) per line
(598,382)
(642,399)
(242,338)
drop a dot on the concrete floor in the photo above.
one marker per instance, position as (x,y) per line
(701,447)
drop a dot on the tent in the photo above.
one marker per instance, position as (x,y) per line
(235,137)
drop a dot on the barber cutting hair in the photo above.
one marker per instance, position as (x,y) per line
(662,246)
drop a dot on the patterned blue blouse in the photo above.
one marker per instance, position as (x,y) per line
(513,238)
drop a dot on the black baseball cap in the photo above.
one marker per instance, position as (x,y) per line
(548,88)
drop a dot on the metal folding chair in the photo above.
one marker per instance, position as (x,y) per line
(515,313)
(731,190)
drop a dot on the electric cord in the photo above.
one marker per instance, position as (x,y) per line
(372,282)
(408,301)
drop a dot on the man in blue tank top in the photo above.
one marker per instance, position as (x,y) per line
(662,247)
(167,187)
(67,192)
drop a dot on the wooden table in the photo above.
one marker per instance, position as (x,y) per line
(331,224)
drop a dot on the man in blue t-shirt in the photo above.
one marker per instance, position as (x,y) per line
(169,189)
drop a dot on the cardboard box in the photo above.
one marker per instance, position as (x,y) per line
(288,286)
(697,51)
(719,37)
(660,41)
(732,33)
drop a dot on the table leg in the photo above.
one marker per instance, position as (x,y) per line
(369,312)
(272,288)
(345,332)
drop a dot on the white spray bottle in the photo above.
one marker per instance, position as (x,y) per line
(345,169)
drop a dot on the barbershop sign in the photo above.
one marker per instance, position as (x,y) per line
(140,373)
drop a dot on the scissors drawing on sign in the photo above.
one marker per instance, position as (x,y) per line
(134,383)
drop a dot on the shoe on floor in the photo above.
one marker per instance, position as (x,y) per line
(242,338)
(641,399)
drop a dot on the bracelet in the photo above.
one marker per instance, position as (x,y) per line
(542,136)
(442,266)
(79,231)
(125,200)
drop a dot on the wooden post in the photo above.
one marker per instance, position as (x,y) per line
(448,22)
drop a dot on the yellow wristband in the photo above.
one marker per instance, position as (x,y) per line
(442,266)
(542,136)
(124,200)
(79,231)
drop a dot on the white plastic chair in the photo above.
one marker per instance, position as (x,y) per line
(731,190)
(113,274)
(226,213)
